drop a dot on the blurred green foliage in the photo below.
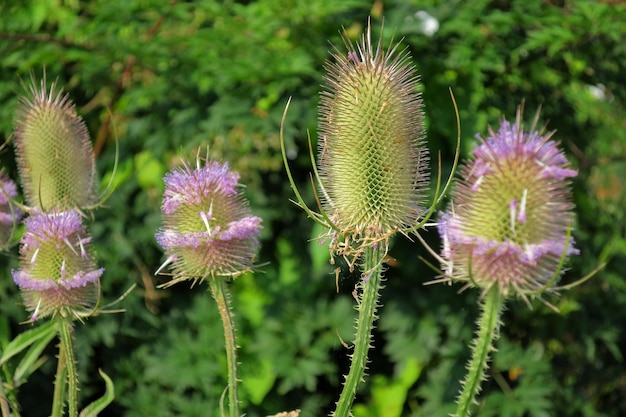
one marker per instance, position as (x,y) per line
(159,79)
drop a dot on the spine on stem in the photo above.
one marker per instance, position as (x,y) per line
(222,297)
(487,333)
(372,284)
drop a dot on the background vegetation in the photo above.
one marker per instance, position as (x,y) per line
(165,77)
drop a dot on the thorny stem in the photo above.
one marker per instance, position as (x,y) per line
(221,296)
(487,333)
(67,349)
(372,283)
(60,380)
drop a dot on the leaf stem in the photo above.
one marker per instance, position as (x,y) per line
(221,296)
(487,333)
(372,284)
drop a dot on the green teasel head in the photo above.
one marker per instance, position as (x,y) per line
(54,153)
(371,153)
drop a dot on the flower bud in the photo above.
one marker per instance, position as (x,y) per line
(207,229)
(510,213)
(57,272)
(54,154)
(372,158)
(9,213)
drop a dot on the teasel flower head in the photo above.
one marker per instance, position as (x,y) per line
(10,214)
(207,230)
(58,274)
(511,213)
(54,154)
(371,153)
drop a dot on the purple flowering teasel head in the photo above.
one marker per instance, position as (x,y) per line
(207,228)
(57,275)
(10,214)
(510,213)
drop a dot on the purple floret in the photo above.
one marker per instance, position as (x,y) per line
(191,186)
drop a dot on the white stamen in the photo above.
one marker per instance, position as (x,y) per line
(166,263)
(34,257)
(521,216)
(33,317)
(69,245)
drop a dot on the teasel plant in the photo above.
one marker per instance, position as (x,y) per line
(371,177)
(507,232)
(208,234)
(10,214)
(58,276)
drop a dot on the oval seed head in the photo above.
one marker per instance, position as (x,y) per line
(207,228)
(510,213)
(54,154)
(10,215)
(372,157)
(58,275)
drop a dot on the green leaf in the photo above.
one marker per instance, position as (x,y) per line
(261,382)
(24,340)
(32,360)
(100,404)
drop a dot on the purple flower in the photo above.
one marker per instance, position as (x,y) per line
(510,213)
(207,229)
(57,273)
(9,213)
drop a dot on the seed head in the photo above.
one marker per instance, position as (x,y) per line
(57,272)
(54,154)
(372,158)
(207,229)
(510,213)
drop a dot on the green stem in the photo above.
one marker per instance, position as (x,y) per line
(59,386)
(365,324)
(221,296)
(67,349)
(486,334)
(8,399)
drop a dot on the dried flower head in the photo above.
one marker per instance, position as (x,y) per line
(207,229)
(54,154)
(58,275)
(372,157)
(511,213)
(9,213)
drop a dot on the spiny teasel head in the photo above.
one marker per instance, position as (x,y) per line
(58,274)
(10,215)
(511,213)
(207,227)
(372,156)
(54,154)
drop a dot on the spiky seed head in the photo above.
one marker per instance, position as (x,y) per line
(10,215)
(207,228)
(510,213)
(372,156)
(54,154)
(58,274)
